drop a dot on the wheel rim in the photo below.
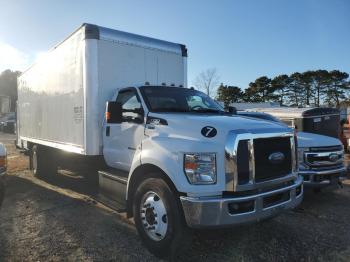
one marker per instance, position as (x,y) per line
(154,216)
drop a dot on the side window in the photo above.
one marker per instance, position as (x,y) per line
(131,106)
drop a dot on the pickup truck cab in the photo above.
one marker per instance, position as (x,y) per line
(320,158)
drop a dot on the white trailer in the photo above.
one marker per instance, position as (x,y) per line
(172,158)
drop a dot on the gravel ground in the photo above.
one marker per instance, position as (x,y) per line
(57,220)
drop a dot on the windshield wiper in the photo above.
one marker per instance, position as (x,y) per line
(208,110)
(170,109)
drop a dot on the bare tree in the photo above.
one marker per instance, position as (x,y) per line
(207,81)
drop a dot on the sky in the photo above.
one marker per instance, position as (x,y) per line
(242,39)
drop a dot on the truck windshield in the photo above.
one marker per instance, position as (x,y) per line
(178,99)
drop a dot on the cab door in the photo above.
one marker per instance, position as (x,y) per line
(121,140)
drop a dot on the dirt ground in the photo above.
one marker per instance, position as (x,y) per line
(58,220)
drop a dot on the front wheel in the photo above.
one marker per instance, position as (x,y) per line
(159,219)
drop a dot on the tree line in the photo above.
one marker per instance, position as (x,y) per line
(309,88)
(314,88)
(8,86)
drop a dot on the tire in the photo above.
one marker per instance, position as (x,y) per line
(157,208)
(42,162)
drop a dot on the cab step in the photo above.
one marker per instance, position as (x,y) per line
(112,204)
(112,189)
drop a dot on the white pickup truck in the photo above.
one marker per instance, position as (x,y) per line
(172,157)
(3,168)
(321,158)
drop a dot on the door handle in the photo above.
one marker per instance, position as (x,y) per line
(108,130)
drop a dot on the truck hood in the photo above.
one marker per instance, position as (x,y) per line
(191,125)
(313,140)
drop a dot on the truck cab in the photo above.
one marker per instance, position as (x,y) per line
(221,169)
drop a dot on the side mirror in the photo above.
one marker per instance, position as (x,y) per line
(232,110)
(113,112)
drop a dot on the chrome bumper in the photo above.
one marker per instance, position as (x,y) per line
(215,212)
(313,178)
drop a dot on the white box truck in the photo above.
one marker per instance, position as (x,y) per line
(171,156)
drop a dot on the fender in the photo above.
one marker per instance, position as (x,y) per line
(168,156)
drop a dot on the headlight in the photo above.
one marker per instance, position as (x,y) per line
(200,168)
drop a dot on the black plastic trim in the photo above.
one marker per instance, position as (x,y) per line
(91,31)
(183,50)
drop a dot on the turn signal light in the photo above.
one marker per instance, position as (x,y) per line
(108,116)
(191,165)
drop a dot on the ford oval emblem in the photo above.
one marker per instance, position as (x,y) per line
(333,157)
(276,158)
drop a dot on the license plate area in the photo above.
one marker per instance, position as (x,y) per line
(276,199)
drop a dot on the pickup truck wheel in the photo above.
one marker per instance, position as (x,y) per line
(42,162)
(159,219)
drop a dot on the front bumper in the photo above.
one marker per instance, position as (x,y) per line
(217,212)
(313,178)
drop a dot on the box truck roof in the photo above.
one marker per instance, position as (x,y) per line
(92,31)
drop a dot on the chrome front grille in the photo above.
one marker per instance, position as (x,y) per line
(326,148)
(243,155)
(324,159)
(246,156)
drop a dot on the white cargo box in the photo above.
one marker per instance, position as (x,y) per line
(61,98)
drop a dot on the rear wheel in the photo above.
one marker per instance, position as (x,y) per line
(42,162)
(159,219)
